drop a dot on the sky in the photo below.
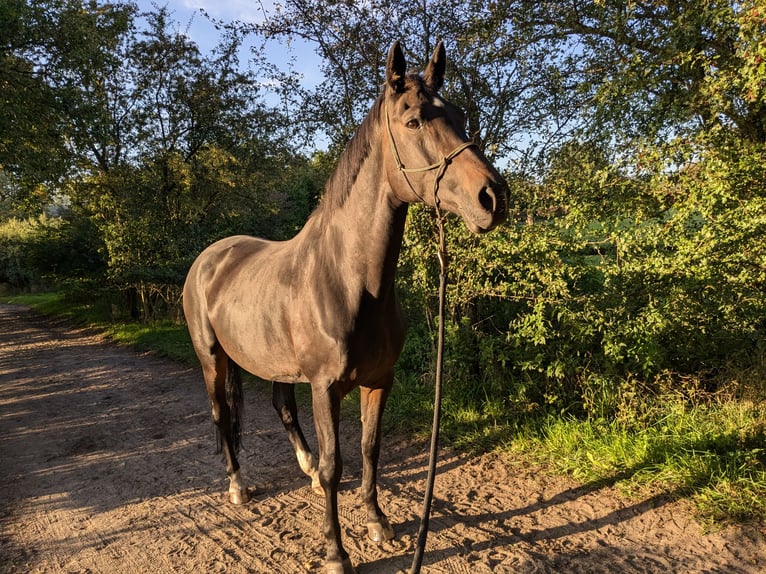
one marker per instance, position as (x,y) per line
(187,14)
(298,57)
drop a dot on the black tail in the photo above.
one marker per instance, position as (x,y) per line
(233,387)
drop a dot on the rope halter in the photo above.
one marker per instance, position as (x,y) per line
(440,166)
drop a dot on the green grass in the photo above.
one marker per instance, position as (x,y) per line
(95,313)
(711,450)
(714,454)
(47,303)
(166,339)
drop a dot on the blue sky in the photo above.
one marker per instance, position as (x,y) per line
(298,57)
(188,15)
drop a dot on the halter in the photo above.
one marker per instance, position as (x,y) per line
(440,166)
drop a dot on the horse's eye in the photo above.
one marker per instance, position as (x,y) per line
(413,124)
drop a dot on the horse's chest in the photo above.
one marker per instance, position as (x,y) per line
(376,346)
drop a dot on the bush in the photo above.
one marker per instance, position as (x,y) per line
(46,249)
(16,239)
(647,280)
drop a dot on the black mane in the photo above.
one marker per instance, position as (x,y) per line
(340,182)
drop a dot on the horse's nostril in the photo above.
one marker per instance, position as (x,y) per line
(487,199)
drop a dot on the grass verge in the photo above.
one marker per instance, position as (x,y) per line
(712,453)
(164,338)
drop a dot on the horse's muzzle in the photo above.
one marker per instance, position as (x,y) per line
(491,211)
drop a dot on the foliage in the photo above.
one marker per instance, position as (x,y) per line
(39,40)
(16,242)
(650,70)
(46,249)
(168,149)
(502,95)
(634,261)
(631,281)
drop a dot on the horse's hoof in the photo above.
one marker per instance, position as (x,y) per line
(238,493)
(344,567)
(317,488)
(239,497)
(380,531)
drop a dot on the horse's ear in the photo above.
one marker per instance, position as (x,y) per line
(434,74)
(396,68)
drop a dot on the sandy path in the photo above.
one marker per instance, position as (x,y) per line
(107,464)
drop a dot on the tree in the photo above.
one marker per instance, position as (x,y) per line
(163,148)
(487,76)
(191,157)
(52,52)
(652,69)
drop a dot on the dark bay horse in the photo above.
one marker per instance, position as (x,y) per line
(321,308)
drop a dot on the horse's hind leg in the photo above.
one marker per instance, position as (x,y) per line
(224,388)
(283,399)
(372,402)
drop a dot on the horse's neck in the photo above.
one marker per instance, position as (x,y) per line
(362,236)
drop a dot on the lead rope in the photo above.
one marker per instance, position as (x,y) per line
(441,168)
(420,545)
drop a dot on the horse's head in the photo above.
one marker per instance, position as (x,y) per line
(429,157)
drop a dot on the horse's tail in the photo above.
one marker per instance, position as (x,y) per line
(233,386)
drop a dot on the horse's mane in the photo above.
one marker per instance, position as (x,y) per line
(341,180)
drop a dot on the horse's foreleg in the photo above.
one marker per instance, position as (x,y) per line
(283,399)
(225,393)
(372,403)
(326,402)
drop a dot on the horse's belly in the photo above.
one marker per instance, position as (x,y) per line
(268,363)
(274,352)
(260,345)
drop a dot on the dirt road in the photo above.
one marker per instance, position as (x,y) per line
(108,464)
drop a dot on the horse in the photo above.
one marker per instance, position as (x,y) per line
(321,308)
